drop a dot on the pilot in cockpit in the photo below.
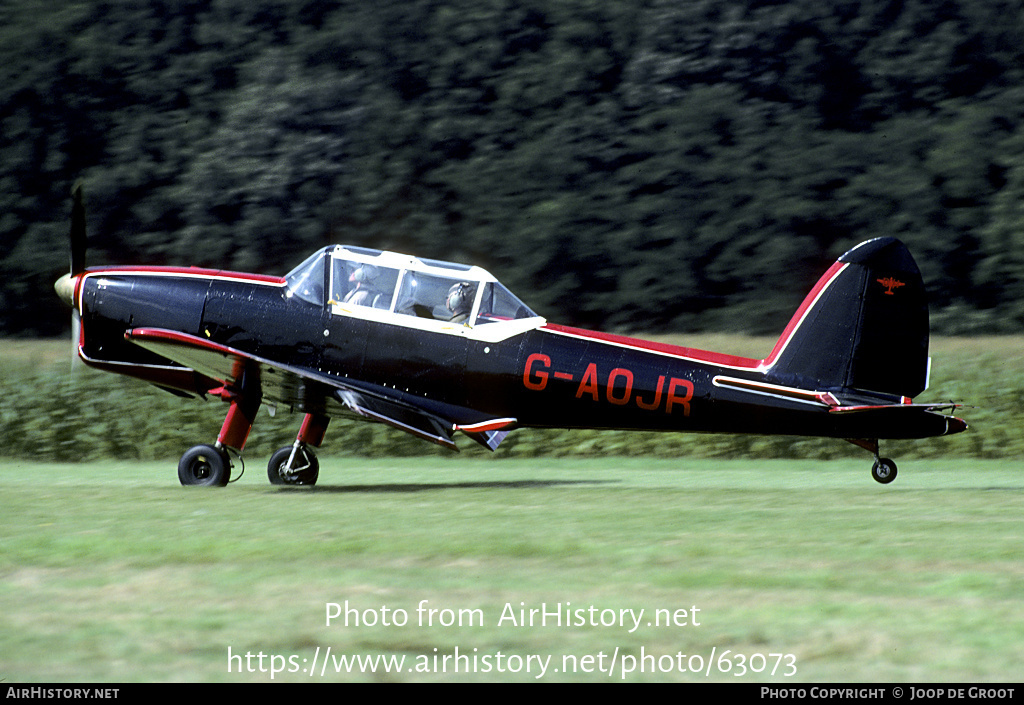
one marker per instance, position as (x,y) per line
(460,301)
(363,293)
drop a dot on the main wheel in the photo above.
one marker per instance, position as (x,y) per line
(884,470)
(204,465)
(305,470)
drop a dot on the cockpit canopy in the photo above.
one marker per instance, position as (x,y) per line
(346,278)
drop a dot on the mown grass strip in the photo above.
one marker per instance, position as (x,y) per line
(111,571)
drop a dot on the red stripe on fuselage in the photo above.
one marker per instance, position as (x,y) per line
(198,272)
(678,351)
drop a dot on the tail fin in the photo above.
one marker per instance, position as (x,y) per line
(864,326)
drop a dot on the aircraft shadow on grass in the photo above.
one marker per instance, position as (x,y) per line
(402,487)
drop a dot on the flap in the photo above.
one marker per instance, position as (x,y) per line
(314,392)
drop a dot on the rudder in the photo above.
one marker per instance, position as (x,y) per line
(864,326)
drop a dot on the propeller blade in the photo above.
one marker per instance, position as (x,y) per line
(76,332)
(77,234)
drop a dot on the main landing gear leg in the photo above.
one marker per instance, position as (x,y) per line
(211,465)
(884,469)
(297,464)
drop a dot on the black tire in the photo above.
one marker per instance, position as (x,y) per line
(884,470)
(277,472)
(204,466)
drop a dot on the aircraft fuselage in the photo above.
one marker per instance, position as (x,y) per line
(546,376)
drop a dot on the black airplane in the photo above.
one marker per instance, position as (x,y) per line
(434,348)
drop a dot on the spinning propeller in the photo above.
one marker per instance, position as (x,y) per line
(65,286)
(77,230)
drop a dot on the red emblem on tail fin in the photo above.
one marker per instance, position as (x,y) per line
(889,283)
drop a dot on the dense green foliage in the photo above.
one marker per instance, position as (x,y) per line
(47,414)
(641,164)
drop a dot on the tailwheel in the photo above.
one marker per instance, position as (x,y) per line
(884,470)
(293,465)
(206,466)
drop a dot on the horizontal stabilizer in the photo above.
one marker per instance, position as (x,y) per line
(947,406)
(824,399)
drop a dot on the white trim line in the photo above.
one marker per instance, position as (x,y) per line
(494,332)
(803,396)
(810,307)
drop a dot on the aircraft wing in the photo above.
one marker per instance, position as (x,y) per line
(310,391)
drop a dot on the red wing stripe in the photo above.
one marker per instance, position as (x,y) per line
(170,336)
(492,425)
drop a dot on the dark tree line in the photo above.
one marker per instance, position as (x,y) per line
(644,165)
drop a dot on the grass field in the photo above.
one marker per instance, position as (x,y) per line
(113,572)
